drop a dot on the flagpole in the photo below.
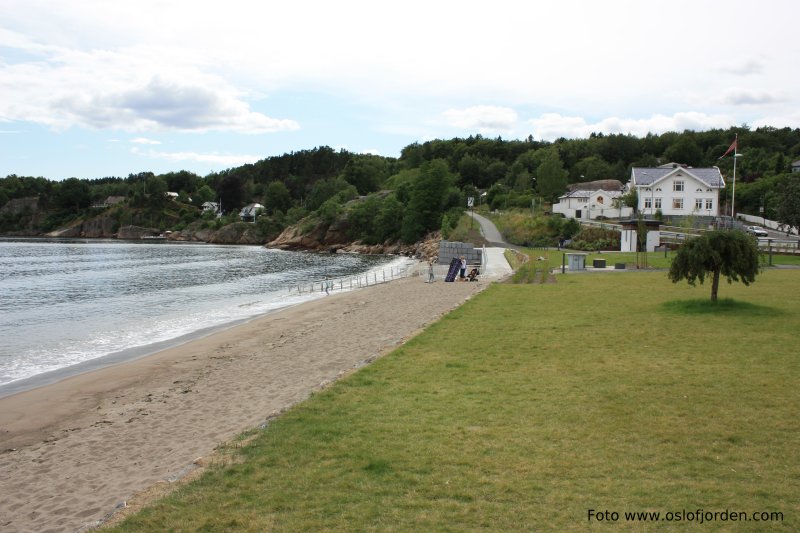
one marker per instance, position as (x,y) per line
(733,194)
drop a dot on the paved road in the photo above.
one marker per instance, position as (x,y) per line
(496,264)
(491,233)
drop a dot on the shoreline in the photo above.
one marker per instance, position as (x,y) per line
(74,451)
(128,355)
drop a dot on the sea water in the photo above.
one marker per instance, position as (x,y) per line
(69,302)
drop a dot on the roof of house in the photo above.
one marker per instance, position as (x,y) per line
(250,209)
(585,193)
(604,185)
(644,177)
(796,163)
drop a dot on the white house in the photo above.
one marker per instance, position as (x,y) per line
(211,207)
(593,199)
(249,211)
(796,166)
(677,190)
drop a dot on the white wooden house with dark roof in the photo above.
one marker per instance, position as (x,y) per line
(249,212)
(602,198)
(677,190)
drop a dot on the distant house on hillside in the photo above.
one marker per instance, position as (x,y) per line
(249,212)
(796,166)
(602,198)
(211,207)
(677,190)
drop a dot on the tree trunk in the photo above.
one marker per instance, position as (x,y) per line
(715,286)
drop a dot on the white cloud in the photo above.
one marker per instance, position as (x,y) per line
(144,140)
(746,67)
(371,151)
(483,118)
(134,89)
(790,119)
(551,126)
(228,160)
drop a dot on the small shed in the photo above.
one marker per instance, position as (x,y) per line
(576,261)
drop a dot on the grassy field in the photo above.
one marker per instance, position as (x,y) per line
(528,407)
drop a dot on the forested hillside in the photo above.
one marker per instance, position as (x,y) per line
(383,199)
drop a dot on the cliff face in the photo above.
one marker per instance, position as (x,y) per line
(27,214)
(100,227)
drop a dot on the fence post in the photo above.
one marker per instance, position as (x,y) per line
(769,241)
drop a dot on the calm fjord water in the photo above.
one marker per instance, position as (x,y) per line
(68,301)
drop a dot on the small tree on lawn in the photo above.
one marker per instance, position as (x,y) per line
(730,253)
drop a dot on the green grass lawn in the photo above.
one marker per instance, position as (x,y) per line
(529,406)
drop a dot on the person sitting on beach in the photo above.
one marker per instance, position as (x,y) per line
(473,275)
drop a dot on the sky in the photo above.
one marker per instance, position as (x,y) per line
(95,88)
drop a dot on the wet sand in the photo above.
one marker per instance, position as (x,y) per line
(74,451)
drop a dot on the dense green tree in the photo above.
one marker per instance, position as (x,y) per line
(590,169)
(389,220)
(424,210)
(328,188)
(276,198)
(232,192)
(204,194)
(182,181)
(684,151)
(472,170)
(361,219)
(788,208)
(729,253)
(366,172)
(551,178)
(73,194)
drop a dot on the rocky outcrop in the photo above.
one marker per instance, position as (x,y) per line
(323,237)
(20,206)
(137,232)
(99,227)
(194,232)
(27,215)
(296,238)
(237,233)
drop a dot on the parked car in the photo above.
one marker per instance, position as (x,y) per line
(758,232)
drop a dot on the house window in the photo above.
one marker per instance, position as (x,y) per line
(698,204)
(677,186)
(583,200)
(677,203)
(599,199)
(648,203)
(709,204)
(658,203)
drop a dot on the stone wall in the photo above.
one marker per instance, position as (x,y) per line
(450,249)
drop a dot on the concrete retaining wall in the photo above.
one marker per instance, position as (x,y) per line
(450,249)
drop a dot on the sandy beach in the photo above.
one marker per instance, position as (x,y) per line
(74,451)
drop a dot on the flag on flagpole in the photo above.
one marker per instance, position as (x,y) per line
(733,146)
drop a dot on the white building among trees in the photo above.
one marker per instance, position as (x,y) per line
(594,199)
(675,190)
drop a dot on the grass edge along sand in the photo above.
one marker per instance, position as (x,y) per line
(527,407)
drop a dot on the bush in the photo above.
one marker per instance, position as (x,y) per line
(594,239)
